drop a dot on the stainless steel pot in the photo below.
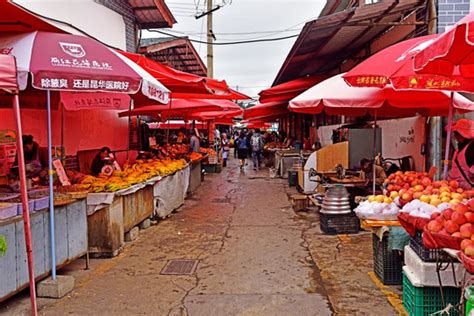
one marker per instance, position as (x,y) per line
(336,201)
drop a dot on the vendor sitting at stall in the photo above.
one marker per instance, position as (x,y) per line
(31,151)
(102,159)
(462,169)
(366,168)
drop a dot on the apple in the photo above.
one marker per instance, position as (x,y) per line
(451,227)
(447,213)
(417,195)
(436,184)
(407,197)
(465,243)
(426,181)
(456,234)
(461,208)
(453,184)
(393,194)
(458,218)
(434,226)
(466,230)
(470,204)
(469,251)
(469,217)
(435,215)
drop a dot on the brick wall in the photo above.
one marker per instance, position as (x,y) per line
(451,11)
(125,10)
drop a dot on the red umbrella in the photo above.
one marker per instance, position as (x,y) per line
(216,115)
(288,90)
(185,85)
(451,53)
(65,62)
(265,110)
(335,97)
(9,85)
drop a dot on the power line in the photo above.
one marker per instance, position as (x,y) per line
(231,43)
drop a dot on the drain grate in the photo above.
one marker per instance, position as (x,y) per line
(223,200)
(180,267)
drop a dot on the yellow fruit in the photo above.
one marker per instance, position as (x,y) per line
(380,198)
(435,202)
(454,201)
(387,200)
(445,199)
(425,198)
(393,194)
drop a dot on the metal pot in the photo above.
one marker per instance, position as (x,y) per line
(336,201)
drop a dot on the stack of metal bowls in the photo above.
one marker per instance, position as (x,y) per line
(336,201)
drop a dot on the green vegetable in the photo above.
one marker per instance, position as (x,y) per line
(3,246)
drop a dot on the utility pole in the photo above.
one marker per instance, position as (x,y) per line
(210,48)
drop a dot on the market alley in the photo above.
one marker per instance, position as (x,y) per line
(254,259)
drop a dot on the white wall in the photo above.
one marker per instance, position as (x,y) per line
(90,17)
(400,137)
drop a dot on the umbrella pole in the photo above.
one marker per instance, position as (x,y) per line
(130,106)
(168,125)
(52,236)
(448,138)
(62,133)
(24,201)
(375,153)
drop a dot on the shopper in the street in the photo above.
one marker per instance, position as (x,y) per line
(242,148)
(462,169)
(256,143)
(194,142)
(235,139)
(225,145)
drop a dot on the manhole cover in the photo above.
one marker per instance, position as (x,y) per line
(180,267)
(224,200)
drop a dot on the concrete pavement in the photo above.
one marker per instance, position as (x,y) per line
(256,257)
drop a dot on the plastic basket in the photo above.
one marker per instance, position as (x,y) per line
(339,224)
(420,301)
(428,255)
(387,263)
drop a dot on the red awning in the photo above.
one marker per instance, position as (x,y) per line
(266,110)
(182,108)
(288,90)
(16,19)
(185,85)
(8,81)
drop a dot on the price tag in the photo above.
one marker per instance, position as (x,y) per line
(58,166)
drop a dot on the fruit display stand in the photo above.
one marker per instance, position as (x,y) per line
(169,193)
(195,175)
(105,224)
(71,244)
(137,207)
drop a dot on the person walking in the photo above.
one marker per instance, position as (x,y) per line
(225,145)
(235,139)
(242,148)
(257,146)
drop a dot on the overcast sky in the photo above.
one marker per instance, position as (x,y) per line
(251,67)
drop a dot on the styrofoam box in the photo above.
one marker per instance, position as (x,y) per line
(422,273)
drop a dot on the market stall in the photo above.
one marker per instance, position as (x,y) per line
(71,236)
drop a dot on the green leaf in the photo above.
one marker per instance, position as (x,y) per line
(3,245)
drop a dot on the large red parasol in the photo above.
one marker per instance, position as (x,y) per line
(65,62)
(335,97)
(451,53)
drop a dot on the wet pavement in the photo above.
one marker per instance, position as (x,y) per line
(256,257)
